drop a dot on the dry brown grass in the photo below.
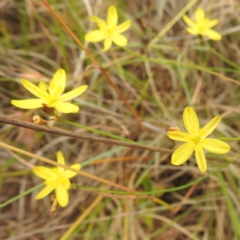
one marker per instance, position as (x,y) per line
(33,45)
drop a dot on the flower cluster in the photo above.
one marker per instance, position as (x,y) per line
(57,179)
(51,96)
(109,31)
(202,25)
(195,140)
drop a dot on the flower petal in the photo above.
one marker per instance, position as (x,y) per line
(95,36)
(44,172)
(61,160)
(212,23)
(66,183)
(36,91)
(120,40)
(209,127)
(43,87)
(62,195)
(69,173)
(200,158)
(189,22)
(123,26)
(215,146)
(183,153)
(193,31)
(190,120)
(107,44)
(100,23)
(58,83)
(199,15)
(45,191)
(65,107)
(212,34)
(28,103)
(74,93)
(179,136)
(112,17)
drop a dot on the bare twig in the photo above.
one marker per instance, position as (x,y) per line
(77,135)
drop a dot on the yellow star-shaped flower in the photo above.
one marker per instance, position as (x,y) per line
(51,96)
(109,31)
(195,140)
(56,178)
(202,25)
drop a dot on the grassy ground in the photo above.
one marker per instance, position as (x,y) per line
(162,70)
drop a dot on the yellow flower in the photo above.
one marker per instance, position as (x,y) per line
(56,178)
(51,96)
(109,31)
(202,25)
(195,140)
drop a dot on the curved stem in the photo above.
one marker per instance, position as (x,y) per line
(96,64)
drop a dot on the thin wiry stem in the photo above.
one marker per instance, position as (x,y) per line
(85,174)
(105,74)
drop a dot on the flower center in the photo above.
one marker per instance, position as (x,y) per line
(110,31)
(49,98)
(61,179)
(196,139)
(203,25)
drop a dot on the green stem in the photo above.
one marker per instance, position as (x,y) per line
(97,131)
